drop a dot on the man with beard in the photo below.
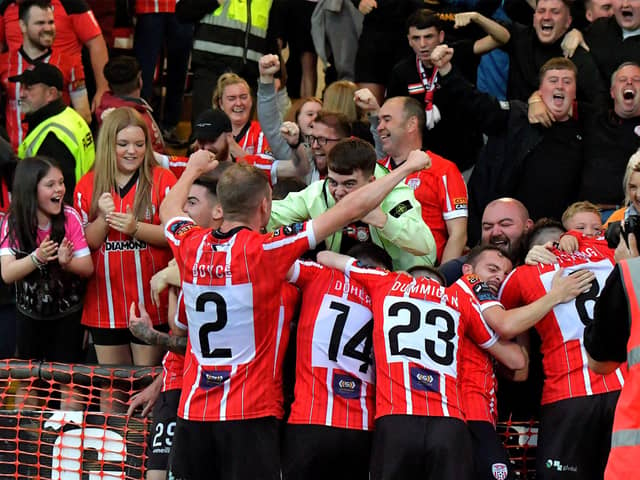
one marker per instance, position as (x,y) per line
(505,223)
(38,33)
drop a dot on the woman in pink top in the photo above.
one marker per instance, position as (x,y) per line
(44,251)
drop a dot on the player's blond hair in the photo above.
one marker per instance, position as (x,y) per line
(105,167)
(578,207)
(633,165)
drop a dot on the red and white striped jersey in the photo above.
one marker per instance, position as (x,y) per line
(262,162)
(155,6)
(232,285)
(564,361)
(254,141)
(442,194)
(417,329)
(123,265)
(476,378)
(15,63)
(335,378)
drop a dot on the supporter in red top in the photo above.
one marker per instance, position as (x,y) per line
(38,33)
(212,132)
(440,190)
(231,400)
(571,392)
(119,202)
(335,379)
(417,330)
(125,84)
(76,26)
(233,96)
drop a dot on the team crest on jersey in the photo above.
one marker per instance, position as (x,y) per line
(346,386)
(424,380)
(292,229)
(210,378)
(413,183)
(401,208)
(181,227)
(499,471)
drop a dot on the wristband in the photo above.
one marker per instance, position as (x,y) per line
(36,261)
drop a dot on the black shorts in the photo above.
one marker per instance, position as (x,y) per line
(490,459)
(412,446)
(57,340)
(160,438)
(377,53)
(575,437)
(109,337)
(235,449)
(318,452)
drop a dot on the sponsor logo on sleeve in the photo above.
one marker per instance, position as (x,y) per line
(483,292)
(181,227)
(292,229)
(424,380)
(460,203)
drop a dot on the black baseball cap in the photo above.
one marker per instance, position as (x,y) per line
(41,73)
(211,124)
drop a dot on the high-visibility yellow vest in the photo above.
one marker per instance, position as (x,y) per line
(72,130)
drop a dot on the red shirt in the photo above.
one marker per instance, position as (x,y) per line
(477,380)
(335,380)
(16,62)
(155,6)
(442,194)
(239,275)
(254,141)
(123,265)
(75,26)
(567,374)
(263,162)
(173,363)
(417,329)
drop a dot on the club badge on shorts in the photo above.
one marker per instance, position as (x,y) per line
(499,471)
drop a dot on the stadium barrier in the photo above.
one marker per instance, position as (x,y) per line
(51,426)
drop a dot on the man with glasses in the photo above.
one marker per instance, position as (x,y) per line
(396,225)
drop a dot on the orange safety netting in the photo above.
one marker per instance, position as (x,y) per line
(52,424)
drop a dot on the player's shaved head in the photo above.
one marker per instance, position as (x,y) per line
(240,191)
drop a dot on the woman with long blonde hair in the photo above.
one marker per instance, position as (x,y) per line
(119,202)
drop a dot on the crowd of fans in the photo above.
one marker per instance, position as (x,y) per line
(452,183)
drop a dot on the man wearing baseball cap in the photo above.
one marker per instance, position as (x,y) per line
(55,130)
(211,132)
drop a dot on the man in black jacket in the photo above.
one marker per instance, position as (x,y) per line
(539,166)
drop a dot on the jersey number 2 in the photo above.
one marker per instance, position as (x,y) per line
(210,327)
